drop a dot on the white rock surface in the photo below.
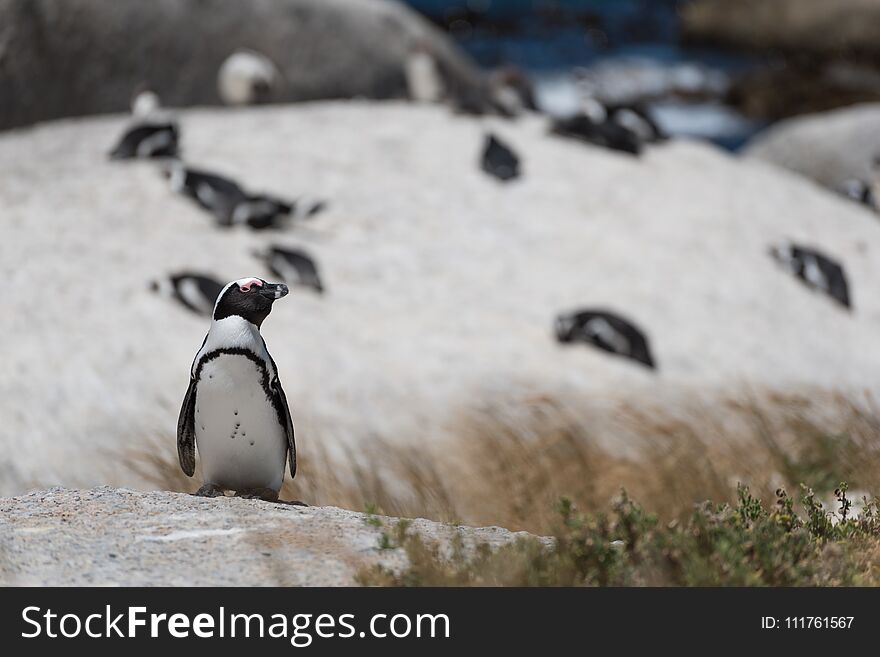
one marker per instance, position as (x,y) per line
(828,147)
(442,283)
(118,537)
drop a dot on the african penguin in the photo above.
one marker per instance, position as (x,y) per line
(606,331)
(601,132)
(231,205)
(860,192)
(235,410)
(816,270)
(637,119)
(499,160)
(151,133)
(247,78)
(424,81)
(145,102)
(293,266)
(511,91)
(195,292)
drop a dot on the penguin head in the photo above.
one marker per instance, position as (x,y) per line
(783,253)
(144,101)
(248,298)
(564,328)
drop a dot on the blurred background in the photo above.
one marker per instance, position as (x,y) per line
(536,247)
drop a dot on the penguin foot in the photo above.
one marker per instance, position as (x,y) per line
(265,494)
(209,490)
(292,502)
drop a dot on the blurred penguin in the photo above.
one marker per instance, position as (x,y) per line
(424,80)
(511,91)
(816,270)
(638,119)
(599,132)
(232,205)
(859,192)
(607,331)
(865,192)
(195,292)
(499,160)
(247,77)
(152,132)
(293,266)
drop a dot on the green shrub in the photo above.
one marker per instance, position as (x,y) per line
(746,544)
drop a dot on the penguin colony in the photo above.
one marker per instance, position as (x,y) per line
(235,410)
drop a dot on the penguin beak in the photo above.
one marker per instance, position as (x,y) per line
(274,290)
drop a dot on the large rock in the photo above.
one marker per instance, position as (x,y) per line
(837,27)
(829,147)
(442,284)
(117,537)
(80,57)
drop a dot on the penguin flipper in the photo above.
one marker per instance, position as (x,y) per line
(283,409)
(186,431)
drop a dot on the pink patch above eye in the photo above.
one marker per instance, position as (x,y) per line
(245,286)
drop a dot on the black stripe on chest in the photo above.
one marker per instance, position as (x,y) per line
(247,353)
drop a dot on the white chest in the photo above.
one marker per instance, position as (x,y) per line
(240,440)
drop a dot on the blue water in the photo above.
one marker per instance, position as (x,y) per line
(550,38)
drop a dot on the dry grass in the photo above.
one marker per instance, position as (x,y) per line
(509,467)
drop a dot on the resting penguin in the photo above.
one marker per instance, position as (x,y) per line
(195,292)
(511,91)
(637,119)
(231,205)
(816,270)
(151,133)
(606,331)
(859,191)
(293,266)
(601,132)
(235,409)
(498,160)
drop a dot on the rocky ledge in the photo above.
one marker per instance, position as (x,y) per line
(119,537)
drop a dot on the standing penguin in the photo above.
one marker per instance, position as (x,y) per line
(235,409)
(424,81)
(247,77)
(816,270)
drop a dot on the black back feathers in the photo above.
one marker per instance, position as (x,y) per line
(638,119)
(231,205)
(606,331)
(606,133)
(293,266)
(195,292)
(146,140)
(816,270)
(499,160)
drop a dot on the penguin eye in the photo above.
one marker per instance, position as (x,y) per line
(248,285)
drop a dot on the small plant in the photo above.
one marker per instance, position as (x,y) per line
(371,512)
(845,504)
